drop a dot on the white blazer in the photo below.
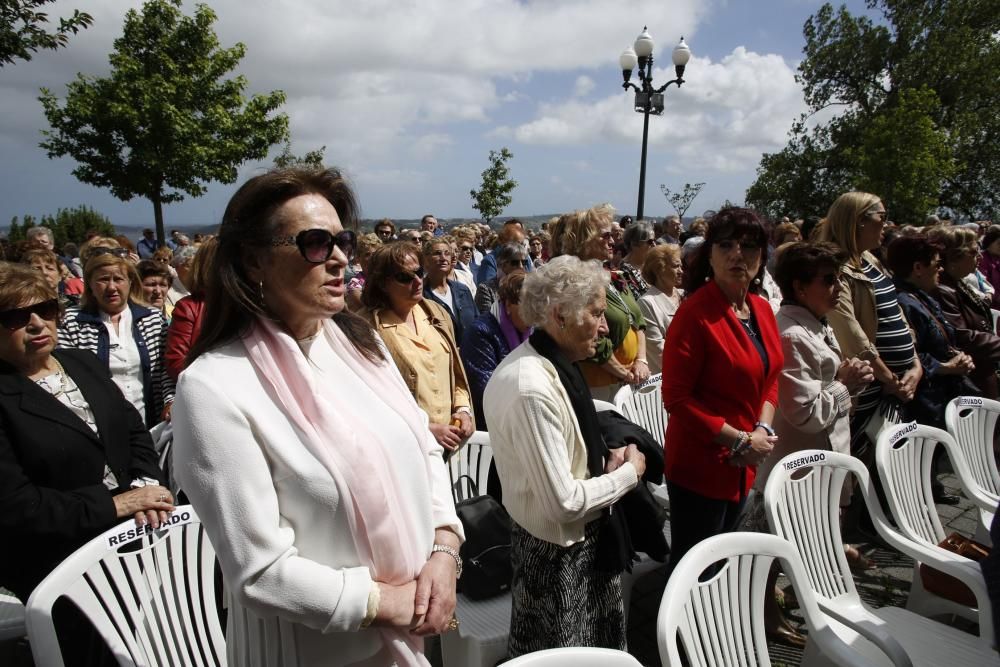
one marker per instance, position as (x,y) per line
(272,511)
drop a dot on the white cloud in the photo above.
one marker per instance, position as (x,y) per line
(723,117)
(583,86)
(430,145)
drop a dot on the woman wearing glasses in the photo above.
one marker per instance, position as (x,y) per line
(312,468)
(621,354)
(75,457)
(638,239)
(967,311)
(868,321)
(419,335)
(127,337)
(720,381)
(452,295)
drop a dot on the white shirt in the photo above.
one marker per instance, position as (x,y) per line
(445,296)
(124,361)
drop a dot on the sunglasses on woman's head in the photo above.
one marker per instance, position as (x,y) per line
(100,250)
(406,277)
(18,318)
(316,245)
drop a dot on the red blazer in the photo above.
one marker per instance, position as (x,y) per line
(185,324)
(712,374)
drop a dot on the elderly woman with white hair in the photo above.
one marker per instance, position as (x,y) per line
(181,263)
(559,477)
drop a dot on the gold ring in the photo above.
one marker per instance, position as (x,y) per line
(452,624)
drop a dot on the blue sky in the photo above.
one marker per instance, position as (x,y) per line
(409,96)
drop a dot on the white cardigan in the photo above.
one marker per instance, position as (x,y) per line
(540,454)
(272,511)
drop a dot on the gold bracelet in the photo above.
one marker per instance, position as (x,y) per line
(374,599)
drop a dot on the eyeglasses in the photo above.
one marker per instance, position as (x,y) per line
(650,242)
(316,245)
(466,248)
(18,318)
(100,250)
(406,277)
(881,215)
(744,246)
(385,231)
(606,236)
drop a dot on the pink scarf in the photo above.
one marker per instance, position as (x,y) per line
(382,524)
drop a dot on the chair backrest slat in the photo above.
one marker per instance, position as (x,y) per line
(904,454)
(152,598)
(972,421)
(643,405)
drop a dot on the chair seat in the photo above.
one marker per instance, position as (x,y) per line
(927,642)
(11,618)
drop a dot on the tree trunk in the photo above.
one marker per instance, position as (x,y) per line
(161,236)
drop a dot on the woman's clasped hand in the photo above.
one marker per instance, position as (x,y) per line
(148,504)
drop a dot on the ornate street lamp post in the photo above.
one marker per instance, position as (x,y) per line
(649,100)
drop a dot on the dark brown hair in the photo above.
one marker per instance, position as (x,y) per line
(148,267)
(385,261)
(802,261)
(905,251)
(509,289)
(731,222)
(248,225)
(21,284)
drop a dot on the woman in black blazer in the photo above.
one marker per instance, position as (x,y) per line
(75,457)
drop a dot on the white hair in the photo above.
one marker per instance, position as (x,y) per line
(566,282)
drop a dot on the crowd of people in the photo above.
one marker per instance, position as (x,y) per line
(316,381)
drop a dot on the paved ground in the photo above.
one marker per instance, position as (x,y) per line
(888,585)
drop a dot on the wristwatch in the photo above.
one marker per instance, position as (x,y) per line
(764,425)
(451,551)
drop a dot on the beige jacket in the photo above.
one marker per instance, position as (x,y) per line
(854,320)
(403,345)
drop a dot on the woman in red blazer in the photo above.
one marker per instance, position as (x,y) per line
(185,324)
(721,361)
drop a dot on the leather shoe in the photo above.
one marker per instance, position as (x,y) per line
(786,635)
(943,498)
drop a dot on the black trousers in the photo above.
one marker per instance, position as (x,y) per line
(693,518)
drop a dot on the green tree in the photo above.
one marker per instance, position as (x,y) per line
(681,201)
(23,29)
(917,86)
(67,225)
(493,195)
(288,159)
(167,120)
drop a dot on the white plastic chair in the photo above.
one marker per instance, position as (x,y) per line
(601,406)
(903,455)
(577,656)
(971,420)
(643,405)
(802,502)
(11,618)
(153,602)
(481,638)
(720,621)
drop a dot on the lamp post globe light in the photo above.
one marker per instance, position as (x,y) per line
(648,99)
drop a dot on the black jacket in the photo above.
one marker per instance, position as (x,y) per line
(52,495)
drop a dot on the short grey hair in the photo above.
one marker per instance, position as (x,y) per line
(40,231)
(183,255)
(566,282)
(636,233)
(510,252)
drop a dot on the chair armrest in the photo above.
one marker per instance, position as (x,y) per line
(868,626)
(965,570)
(982,499)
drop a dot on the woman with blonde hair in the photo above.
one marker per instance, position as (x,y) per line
(663,270)
(868,321)
(126,336)
(620,355)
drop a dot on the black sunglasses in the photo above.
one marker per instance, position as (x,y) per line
(18,318)
(405,277)
(316,245)
(829,279)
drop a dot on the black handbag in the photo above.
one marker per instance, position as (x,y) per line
(486,570)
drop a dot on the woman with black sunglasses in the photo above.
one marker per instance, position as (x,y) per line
(313,470)
(421,339)
(75,457)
